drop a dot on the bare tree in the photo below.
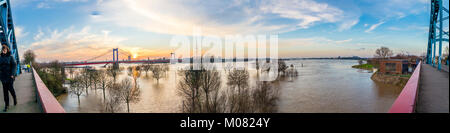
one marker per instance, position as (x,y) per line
(71,72)
(238,78)
(210,85)
(114,98)
(238,100)
(189,89)
(282,67)
(157,71)
(95,79)
(85,80)
(383,52)
(113,72)
(77,87)
(265,97)
(130,71)
(128,93)
(291,71)
(165,68)
(146,68)
(104,82)
(200,90)
(228,67)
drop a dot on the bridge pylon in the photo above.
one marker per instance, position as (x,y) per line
(115,58)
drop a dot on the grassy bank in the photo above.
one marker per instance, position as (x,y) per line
(363,66)
(53,84)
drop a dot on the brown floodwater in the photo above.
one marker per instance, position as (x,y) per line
(323,86)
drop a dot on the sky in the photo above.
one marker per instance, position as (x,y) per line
(76,30)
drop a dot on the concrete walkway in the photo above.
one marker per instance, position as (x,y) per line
(433,91)
(26,96)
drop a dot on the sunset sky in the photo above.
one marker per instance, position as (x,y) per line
(79,29)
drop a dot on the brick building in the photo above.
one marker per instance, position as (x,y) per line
(396,66)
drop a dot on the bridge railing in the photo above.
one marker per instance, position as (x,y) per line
(406,101)
(45,98)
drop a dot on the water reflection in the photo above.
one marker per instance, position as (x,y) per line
(323,86)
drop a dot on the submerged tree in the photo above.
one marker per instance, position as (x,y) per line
(128,93)
(95,79)
(77,87)
(189,89)
(238,78)
(146,68)
(85,80)
(238,99)
(264,98)
(210,85)
(104,82)
(113,72)
(112,103)
(282,67)
(157,71)
(201,91)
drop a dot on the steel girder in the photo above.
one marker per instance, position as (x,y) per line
(436,32)
(7,33)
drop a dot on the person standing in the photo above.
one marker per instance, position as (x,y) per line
(7,72)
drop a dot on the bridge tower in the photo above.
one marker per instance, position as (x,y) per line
(7,33)
(436,32)
(173,60)
(116,58)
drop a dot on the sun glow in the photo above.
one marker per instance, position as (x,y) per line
(134,52)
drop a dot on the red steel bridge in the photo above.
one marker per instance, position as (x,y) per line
(124,55)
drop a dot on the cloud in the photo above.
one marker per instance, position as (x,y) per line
(374,26)
(313,41)
(386,9)
(221,17)
(81,44)
(71,44)
(348,25)
(20,32)
(423,29)
(41,4)
(307,12)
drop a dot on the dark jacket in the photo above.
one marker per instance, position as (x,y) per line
(7,67)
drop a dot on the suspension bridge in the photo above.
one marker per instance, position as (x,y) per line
(115,56)
(427,91)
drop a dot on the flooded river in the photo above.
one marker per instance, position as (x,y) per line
(323,86)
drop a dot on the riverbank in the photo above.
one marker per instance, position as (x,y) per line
(363,66)
(397,80)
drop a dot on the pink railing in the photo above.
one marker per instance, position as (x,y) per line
(46,99)
(406,101)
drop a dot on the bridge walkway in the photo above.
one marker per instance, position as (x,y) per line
(26,96)
(433,93)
